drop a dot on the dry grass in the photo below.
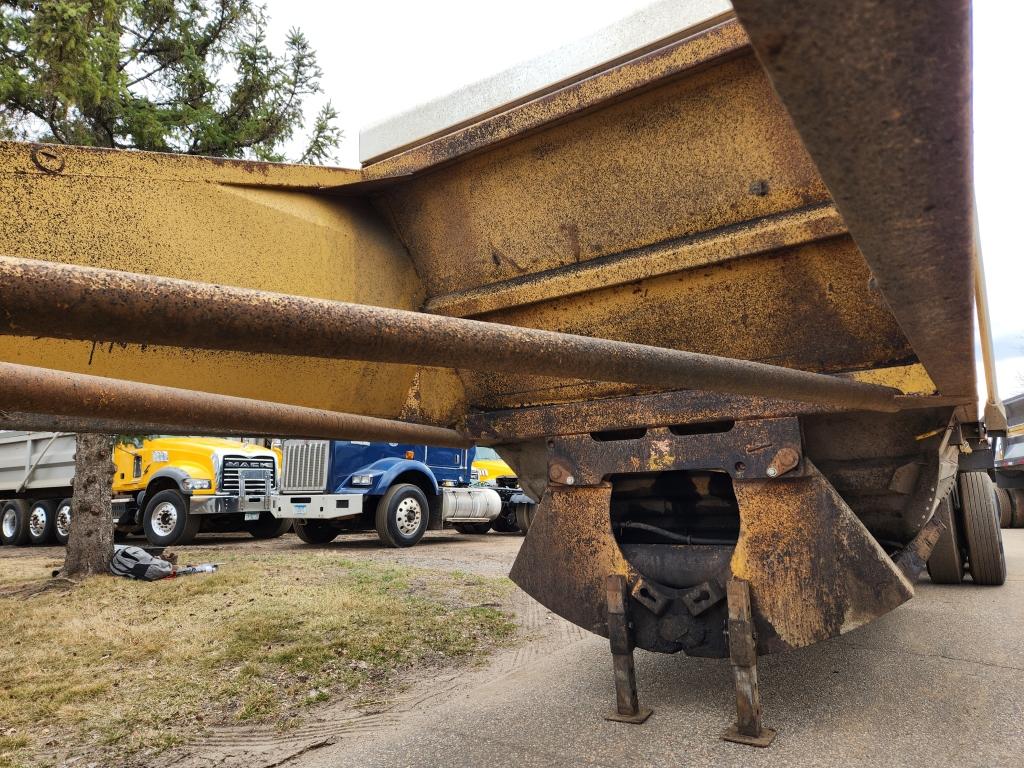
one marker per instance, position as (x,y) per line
(120,670)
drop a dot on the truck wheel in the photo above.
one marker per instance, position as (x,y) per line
(40,521)
(62,521)
(1018,508)
(267,527)
(402,515)
(166,520)
(14,522)
(524,516)
(315,531)
(985,557)
(946,563)
(1005,505)
(473,528)
(506,521)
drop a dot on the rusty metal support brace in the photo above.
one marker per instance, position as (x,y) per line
(109,305)
(620,633)
(743,653)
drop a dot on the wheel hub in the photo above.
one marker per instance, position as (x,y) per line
(408,515)
(10,522)
(37,522)
(164,518)
(63,520)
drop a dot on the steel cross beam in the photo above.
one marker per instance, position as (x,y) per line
(42,298)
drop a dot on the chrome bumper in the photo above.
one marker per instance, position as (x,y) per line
(214,504)
(316,506)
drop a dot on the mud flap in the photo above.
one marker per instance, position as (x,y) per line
(814,570)
(569,553)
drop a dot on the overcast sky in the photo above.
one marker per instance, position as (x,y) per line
(383,57)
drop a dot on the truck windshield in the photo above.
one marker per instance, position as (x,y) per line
(487,454)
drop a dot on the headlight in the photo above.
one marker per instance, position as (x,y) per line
(362,480)
(191,484)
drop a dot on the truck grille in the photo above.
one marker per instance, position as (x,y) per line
(305,465)
(230,467)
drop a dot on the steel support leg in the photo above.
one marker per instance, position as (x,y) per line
(627,705)
(743,653)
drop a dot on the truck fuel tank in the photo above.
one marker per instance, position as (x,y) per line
(469,505)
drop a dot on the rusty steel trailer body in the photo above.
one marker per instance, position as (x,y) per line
(712,300)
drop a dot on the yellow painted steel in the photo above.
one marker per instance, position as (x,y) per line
(245,224)
(668,202)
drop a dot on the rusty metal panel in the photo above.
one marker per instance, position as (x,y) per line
(704,151)
(754,449)
(808,307)
(881,95)
(814,570)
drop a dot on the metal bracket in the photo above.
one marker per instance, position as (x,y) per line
(750,450)
(743,653)
(620,634)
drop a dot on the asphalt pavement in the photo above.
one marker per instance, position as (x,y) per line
(938,682)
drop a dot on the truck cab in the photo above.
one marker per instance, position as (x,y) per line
(397,489)
(171,488)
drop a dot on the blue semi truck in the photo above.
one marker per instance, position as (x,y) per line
(331,486)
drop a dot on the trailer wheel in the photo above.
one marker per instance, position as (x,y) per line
(166,520)
(473,528)
(1005,505)
(985,557)
(315,531)
(946,563)
(40,521)
(268,527)
(62,521)
(402,515)
(1018,508)
(14,522)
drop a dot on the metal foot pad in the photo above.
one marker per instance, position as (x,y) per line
(766,737)
(642,714)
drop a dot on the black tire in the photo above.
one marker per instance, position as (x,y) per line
(315,531)
(1018,508)
(985,558)
(267,527)
(395,512)
(62,521)
(476,529)
(524,516)
(14,522)
(946,563)
(163,530)
(506,521)
(1005,505)
(40,521)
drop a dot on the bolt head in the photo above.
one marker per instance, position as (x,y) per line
(772,471)
(570,480)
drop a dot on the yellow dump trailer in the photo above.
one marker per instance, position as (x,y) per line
(710,297)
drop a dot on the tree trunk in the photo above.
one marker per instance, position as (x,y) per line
(91,542)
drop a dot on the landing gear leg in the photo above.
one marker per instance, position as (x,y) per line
(627,705)
(743,653)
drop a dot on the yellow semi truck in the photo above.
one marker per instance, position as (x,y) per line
(166,488)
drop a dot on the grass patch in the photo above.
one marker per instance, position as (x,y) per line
(113,667)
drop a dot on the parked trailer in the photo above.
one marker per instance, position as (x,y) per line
(706,282)
(1008,464)
(166,488)
(399,490)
